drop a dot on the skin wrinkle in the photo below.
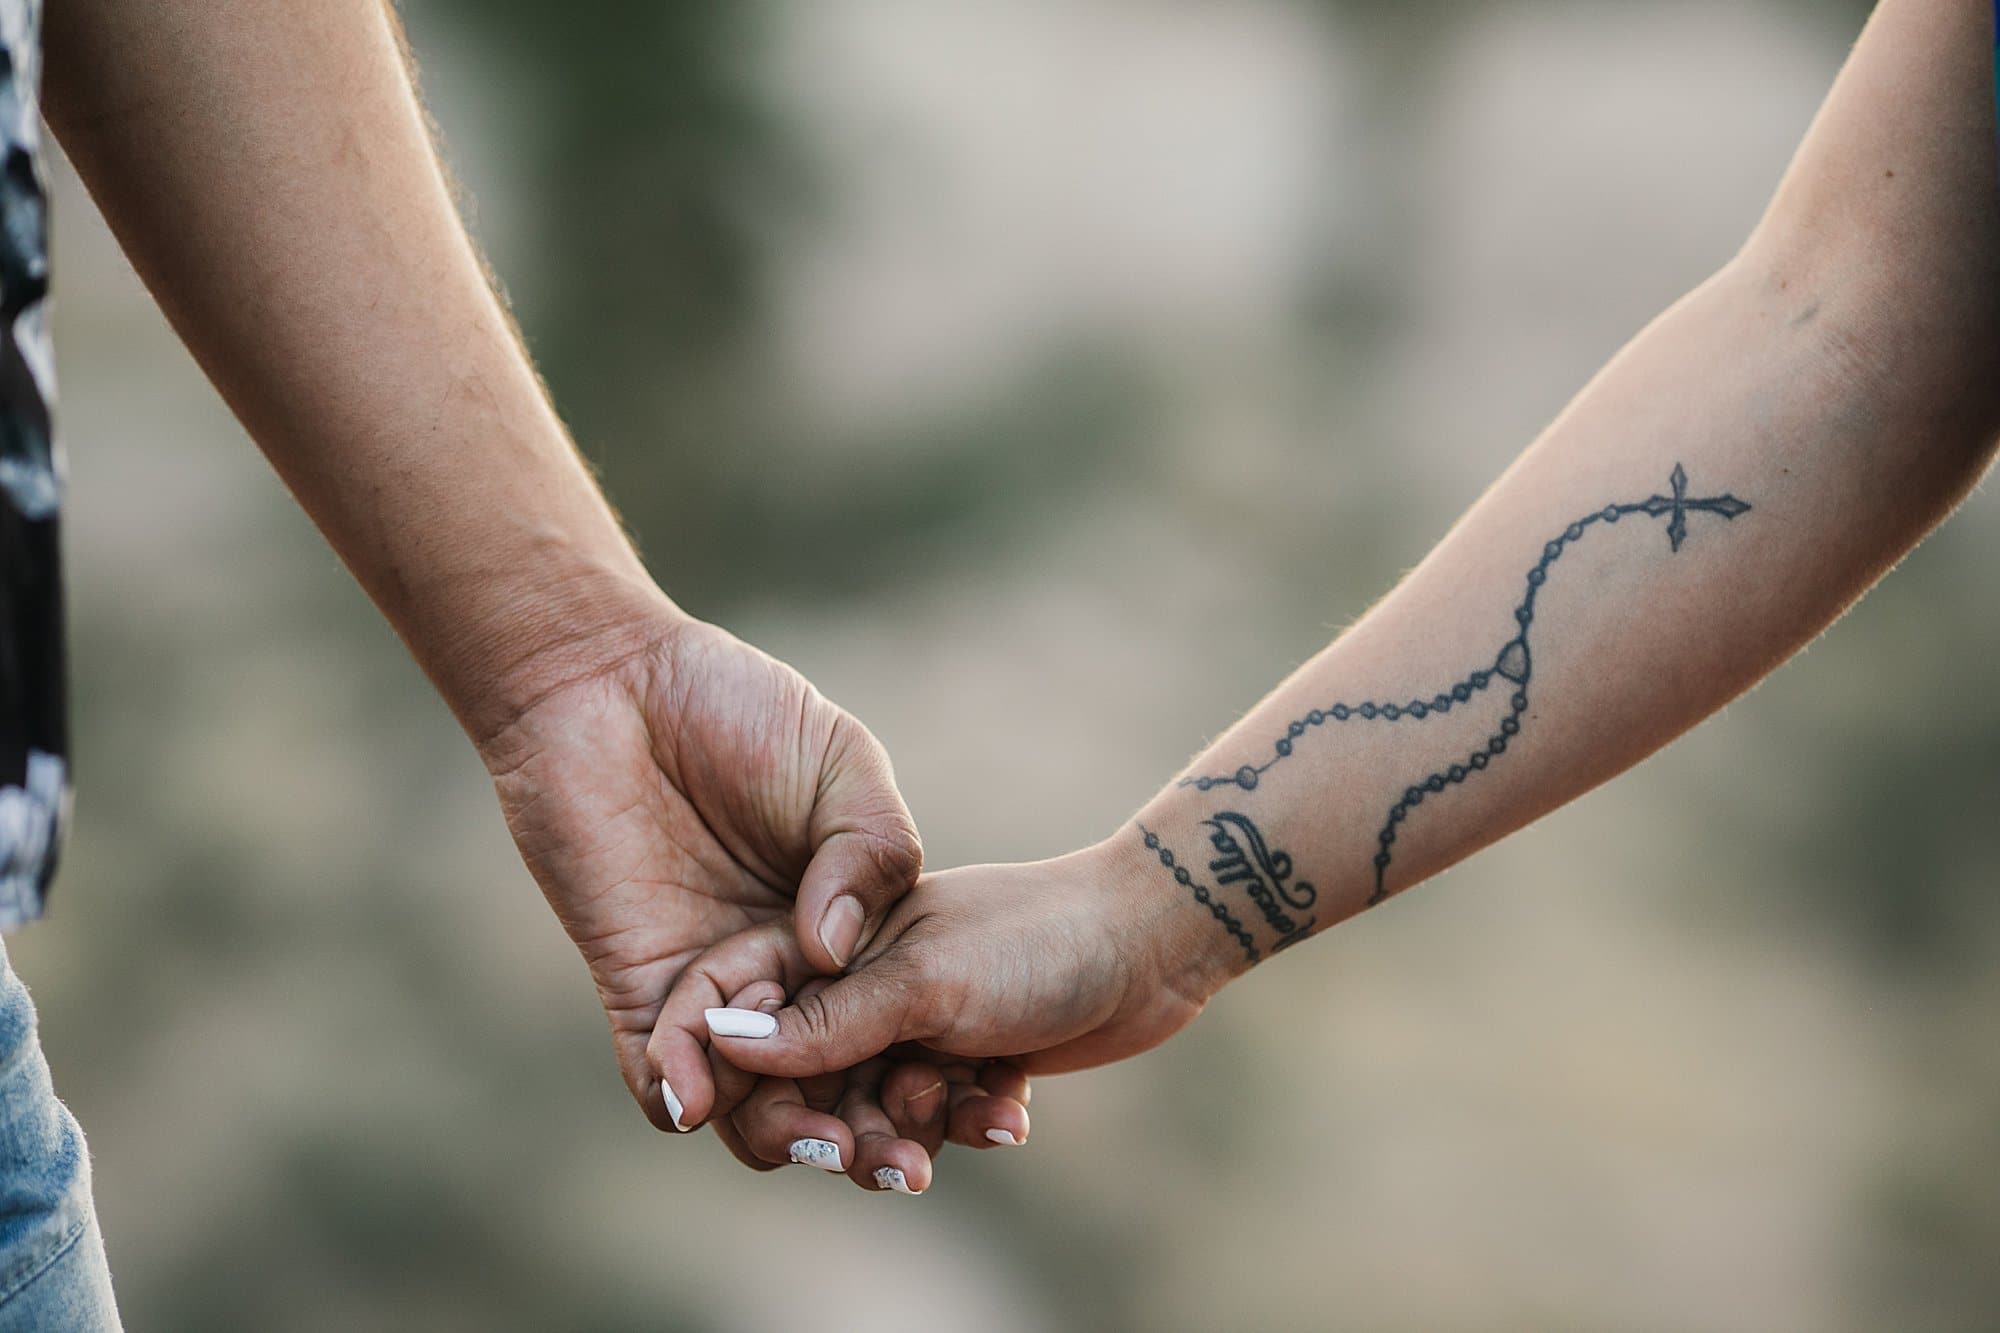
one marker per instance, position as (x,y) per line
(598,673)
(739,852)
(805,739)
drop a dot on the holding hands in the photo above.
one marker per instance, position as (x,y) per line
(672,789)
(728,849)
(1054,966)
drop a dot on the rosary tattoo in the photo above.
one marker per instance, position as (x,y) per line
(1244,855)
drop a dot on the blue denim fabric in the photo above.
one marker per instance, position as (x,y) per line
(53,1277)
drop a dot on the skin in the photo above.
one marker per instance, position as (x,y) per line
(267,167)
(1837,375)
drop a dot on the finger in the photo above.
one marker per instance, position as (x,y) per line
(778,1127)
(678,1051)
(732,1139)
(913,1097)
(733,1085)
(866,853)
(855,1019)
(978,1119)
(989,1109)
(822,1092)
(883,1160)
(1003,1078)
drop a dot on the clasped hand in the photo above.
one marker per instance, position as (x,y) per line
(714,835)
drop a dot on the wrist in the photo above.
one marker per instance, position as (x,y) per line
(1190,947)
(505,583)
(569,621)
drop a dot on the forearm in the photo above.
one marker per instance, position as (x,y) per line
(1583,613)
(267,167)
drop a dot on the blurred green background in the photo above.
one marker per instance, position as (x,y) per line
(1043,379)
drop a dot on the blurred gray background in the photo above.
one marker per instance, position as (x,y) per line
(1043,379)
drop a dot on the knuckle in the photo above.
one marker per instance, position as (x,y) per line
(895,853)
(865,785)
(650,1106)
(816,1028)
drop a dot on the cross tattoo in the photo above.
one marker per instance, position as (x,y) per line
(1511,670)
(1678,505)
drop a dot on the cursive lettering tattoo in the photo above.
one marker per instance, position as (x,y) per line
(1511,668)
(1242,857)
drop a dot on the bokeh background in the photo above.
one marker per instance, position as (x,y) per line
(1044,379)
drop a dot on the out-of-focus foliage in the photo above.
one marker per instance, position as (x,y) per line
(658,181)
(1044,379)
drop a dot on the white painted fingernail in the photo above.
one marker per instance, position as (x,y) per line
(1003,1138)
(816,1152)
(889,1178)
(673,1105)
(740,1023)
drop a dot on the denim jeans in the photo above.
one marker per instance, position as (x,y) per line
(53,1276)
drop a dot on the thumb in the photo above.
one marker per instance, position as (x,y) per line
(854,1019)
(866,853)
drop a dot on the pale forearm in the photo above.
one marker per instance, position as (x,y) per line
(268,169)
(1825,400)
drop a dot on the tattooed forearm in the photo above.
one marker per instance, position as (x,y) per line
(1244,856)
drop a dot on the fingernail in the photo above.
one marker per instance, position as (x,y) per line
(1003,1138)
(916,1108)
(816,1152)
(889,1178)
(673,1105)
(840,928)
(770,1006)
(740,1023)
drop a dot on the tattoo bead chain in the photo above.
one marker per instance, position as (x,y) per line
(1202,895)
(1514,663)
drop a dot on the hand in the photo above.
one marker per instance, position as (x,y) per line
(881,1122)
(669,786)
(1058,965)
